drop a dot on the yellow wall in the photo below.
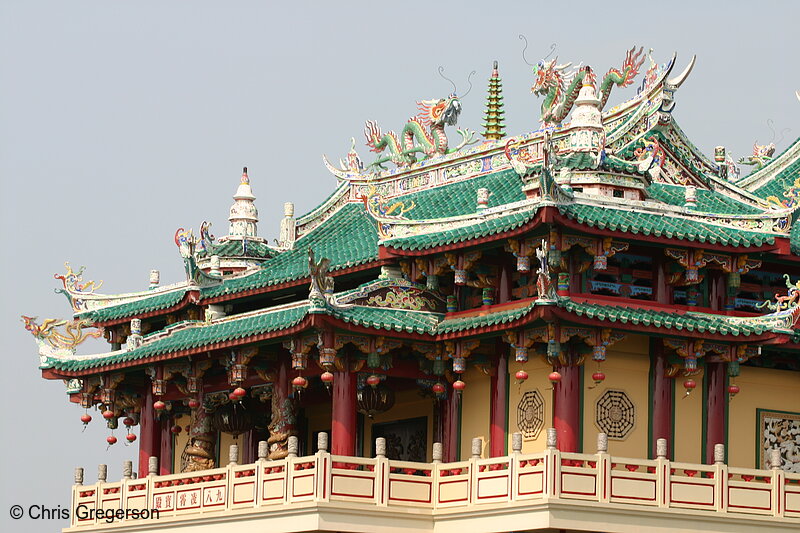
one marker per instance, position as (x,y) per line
(319,419)
(761,388)
(688,416)
(537,371)
(408,404)
(627,368)
(475,400)
(179,442)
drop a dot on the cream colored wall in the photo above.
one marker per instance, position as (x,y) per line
(319,419)
(688,416)
(537,371)
(761,388)
(179,442)
(408,404)
(627,368)
(475,401)
(224,446)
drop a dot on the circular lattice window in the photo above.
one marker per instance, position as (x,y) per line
(615,414)
(530,414)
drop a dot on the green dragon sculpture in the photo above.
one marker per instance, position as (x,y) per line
(560,88)
(762,154)
(422,135)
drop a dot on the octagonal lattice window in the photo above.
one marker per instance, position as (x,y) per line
(615,414)
(530,414)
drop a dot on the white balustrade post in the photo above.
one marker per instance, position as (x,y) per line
(152,466)
(262,453)
(381,473)
(603,468)
(552,464)
(778,481)
(437,452)
(323,468)
(437,456)
(78,478)
(477,449)
(513,472)
(127,470)
(102,473)
(233,455)
(720,478)
(662,473)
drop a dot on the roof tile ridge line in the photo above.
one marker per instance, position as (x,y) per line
(772,168)
(757,202)
(372,307)
(513,208)
(258,312)
(135,296)
(694,149)
(511,310)
(527,217)
(335,196)
(701,217)
(626,123)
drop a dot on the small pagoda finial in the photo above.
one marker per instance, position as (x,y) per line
(245,178)
(494,125)
(243,215)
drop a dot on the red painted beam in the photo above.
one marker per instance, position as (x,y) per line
(567,408)
(498,423)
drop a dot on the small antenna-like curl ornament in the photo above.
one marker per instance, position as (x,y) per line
(441,73)
(771,126)
(552,50)
(470,83)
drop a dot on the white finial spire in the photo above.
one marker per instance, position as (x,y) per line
(244,215)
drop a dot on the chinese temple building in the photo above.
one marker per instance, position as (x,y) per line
(589,327)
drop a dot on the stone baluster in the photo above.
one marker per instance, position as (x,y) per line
(603,467)
(662,472)
(602,443)
(127,470)
(516,442)
(778,481)
(79,475)
(380,447)
(152,466)
(477,447)
(553,462)
(661,448)
(720,478)
(322,441)
(233,455)
(292,446)
(102,473)
(719,454)
(263,450)
(552,439)
(438,452)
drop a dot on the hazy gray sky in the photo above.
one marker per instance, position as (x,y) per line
(121,121)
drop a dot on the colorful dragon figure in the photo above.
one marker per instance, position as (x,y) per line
(383,211)
(560,88)
(762,154)
(423,134)
(351,168)
(783,303)
(199,452)
(74,287)
(792,195)
(72,336)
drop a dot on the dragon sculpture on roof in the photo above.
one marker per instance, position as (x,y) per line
(762,154)
(560,86)
(423,134)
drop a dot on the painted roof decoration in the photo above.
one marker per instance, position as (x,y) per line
(626,173)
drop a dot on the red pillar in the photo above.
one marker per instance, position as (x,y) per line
(661,407)
(715,408)
(149,433)
(567,408)
(165,454)
(343,417)
(498,420)
(450,427)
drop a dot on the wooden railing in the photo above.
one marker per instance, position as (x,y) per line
(514,480)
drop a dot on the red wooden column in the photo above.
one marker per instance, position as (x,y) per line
(662,397)
(343,416)
(450,427)
(149,432)
(715,408)
(567,408)
(165,454)
(498,423)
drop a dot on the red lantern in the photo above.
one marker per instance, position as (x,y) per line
(327,378)
(175,429)
(108,414)
(300,382)
(373,381)
(521,376)
(733,390)
(554,377)
(129,421)
(459,385)
(158,405)
(598,377)
(130,437)
(689,385)
(193,404)
(86,418)
(111,440)
(239,392)
(232,397)
(438,388)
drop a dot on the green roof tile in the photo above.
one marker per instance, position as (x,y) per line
(143,305)
(707,201)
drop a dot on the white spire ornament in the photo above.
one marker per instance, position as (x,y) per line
(244,215)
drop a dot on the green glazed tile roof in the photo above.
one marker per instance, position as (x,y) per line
(783,180)
(462,323)
(137,307)
(707,201)
(692,322)
(390,319)
(195,336)
(606,217)
(255,249)
(473,231)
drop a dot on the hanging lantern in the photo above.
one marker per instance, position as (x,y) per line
(239,392)
(159,387)
(598,377)
(438,367)
(108,414)
(459,365)
(300,383)
(237,373)
(159,406)
(599,353)
(86,418)
(130,437)
(107,396)
(299,361)
(459,386)
(523,264)
(521,376)
(690,363)
(460,276)
(234,418)
(438,388)
(327,357)
(733,389)
(128,421)
(111,440)
(327,379)
(487,296)
(734,280)
(520,354)
(452,303)
(689,385)
(375,400)
(193,404)
(554,377)
(86,399)
(373,380)
(175,430)
(192,384)
(232,397)
(373,359)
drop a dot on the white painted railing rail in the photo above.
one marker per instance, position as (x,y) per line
(514,479)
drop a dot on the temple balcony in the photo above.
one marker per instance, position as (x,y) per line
(519,492)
